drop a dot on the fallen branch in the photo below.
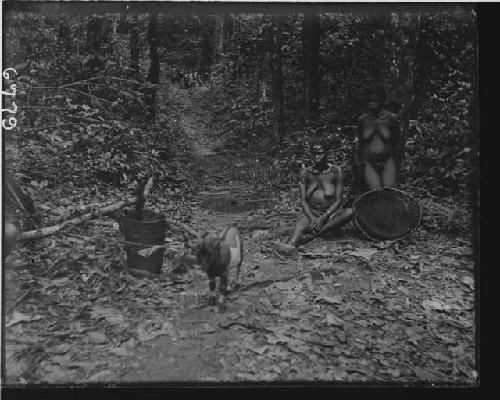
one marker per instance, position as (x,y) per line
(38,233)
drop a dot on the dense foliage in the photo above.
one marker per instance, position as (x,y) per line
(83,79)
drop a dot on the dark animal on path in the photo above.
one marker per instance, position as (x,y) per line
(218,255)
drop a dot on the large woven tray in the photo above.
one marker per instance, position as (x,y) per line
(386,214)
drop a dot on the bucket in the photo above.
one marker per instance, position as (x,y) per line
(386,214)
(139,235)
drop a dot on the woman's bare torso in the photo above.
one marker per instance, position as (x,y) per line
(320,189)
(377,138)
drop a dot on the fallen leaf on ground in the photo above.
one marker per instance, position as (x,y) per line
(20,317)
(143,335)
(54,373)
(341,336)
(105,375)
(332,320)
(207,328)
(436,305)
(59,349)
(467,280)
(97,337)
(395,372)
(87,365)
(112,316)
(337,299)
(367,254)
(259,350)
(120,351)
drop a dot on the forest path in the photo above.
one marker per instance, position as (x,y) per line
(347,309)
(342,310)
(197,347)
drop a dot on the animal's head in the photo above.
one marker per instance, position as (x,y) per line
(203,248)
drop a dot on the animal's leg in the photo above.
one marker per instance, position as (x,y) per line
(223,292)
(211,295)
(237,285)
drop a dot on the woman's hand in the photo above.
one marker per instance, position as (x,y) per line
(314,224)
(317,223)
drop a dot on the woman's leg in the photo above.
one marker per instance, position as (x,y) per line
(300,228)
(372,177)
(338,218)
(389,173)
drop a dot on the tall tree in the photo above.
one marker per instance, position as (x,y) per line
(135,50)
(206,46)
(219,36)
(310,51)
(277,79)
(154,67)
(398,73)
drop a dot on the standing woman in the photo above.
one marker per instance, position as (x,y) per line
(379,142)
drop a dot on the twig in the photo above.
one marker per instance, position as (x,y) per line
(55,262)
(104,77)
(71,90)
(20,300)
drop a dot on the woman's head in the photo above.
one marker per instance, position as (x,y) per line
(322,155)
(375,97)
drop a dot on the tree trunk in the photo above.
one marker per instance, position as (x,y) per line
(219,37)
(206,47)
(401,85)
(95,35)
(264,69)
(154,68)
(135,50)
(310,50)
(277,78)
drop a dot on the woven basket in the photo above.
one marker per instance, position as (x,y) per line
(386,214)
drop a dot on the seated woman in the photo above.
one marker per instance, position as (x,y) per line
(321,188)
(379,142)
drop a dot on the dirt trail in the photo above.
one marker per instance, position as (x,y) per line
(196,350)
(343,310)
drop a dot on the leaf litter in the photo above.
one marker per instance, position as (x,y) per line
(359,320)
